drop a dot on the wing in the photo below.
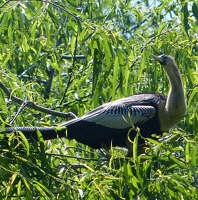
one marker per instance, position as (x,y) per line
(120,116)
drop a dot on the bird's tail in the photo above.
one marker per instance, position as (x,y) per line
(48,132)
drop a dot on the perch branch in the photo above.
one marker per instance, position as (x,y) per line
(32,105)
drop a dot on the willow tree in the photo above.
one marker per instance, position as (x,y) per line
(64,58)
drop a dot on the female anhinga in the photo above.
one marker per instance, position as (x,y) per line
(112,123)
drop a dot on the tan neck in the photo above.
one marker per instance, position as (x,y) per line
(175,106)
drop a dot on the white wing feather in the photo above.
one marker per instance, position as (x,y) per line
(120,116)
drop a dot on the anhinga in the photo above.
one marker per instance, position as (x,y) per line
(112,123)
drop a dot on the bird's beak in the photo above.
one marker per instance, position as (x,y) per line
(158,58)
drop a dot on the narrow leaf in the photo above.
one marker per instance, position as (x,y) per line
(25,142)
(195,11)
(179,163)
(185,18)
(10,183)
(115,77)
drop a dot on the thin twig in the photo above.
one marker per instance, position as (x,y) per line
(71,71)
(62,8)
(4,4)
(23,105)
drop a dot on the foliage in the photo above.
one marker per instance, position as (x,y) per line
(72,56)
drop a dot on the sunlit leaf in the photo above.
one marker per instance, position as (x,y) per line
(10,183)
(25,142)
(179,163)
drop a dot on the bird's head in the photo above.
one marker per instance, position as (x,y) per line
(164,60)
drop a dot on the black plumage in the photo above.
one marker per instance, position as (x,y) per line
(123,118)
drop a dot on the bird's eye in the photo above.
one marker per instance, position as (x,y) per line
(164,57)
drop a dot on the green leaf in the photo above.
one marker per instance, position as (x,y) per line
(43,190)
(115,77)
(25,142)
(33,30)
(19,188)
(154,142)
(10,183)
(185,17)
(195,10)
(135,148)
(73,2)
(42,149)
(99,17)
(8,57)
(28,188)
(194,156)
(192,96)
(10,35)
(73,44)
(187,152)
(179,163)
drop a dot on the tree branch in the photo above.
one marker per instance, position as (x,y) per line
(32,105)
(70,71)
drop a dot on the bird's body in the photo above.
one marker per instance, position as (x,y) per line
(112,123)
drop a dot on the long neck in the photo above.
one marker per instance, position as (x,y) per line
(175,105)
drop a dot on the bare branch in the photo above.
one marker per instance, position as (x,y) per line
(2,5)
(71,72)
(32,105)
